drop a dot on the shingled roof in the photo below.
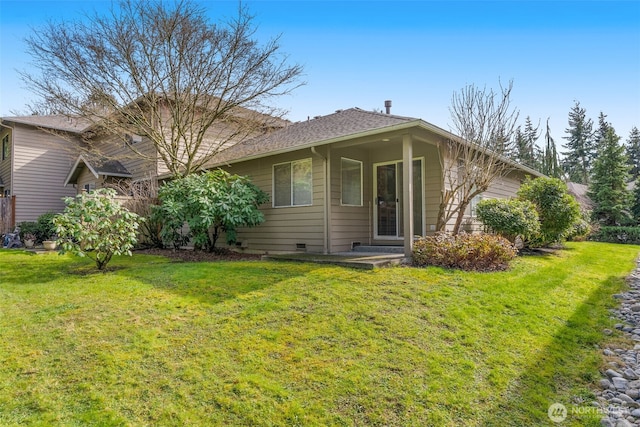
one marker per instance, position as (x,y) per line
(98,166)
(324,129)
(56,122)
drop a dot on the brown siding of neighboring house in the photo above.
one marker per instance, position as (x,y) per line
(41,164)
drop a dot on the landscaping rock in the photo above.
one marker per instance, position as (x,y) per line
(619,393)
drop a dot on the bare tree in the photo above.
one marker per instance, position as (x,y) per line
(485,123)
(164,72)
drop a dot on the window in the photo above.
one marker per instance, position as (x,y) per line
(5,147)
(351,182)
(474,204)
(292,183)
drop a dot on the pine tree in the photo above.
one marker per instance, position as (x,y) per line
(581,150)
(532,153)
(525,151)
(608,182)
(550,164)
(601,133)
(633,153)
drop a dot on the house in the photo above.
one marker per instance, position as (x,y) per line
(350,178)
(37,152)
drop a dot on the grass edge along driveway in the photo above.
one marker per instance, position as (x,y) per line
(155,342)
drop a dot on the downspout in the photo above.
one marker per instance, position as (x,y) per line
(327,200)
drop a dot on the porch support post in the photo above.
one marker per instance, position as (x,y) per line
(407,193)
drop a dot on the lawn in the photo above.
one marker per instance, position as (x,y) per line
(159,342)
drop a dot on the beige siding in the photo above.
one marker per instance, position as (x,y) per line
(87,178)
(41,164)
(286,226)
(5,165)
(141,165)
(350,224)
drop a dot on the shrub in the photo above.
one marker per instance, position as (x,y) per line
(210,203)
(46,227)
(581,228)
(479,252)
(615,234)
(557,209)
(509,218)
(28,227)
(97,226)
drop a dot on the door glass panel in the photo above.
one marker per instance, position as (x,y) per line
(386,200)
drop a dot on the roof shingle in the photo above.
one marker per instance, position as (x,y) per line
(340,124)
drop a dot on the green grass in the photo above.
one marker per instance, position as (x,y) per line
(155,342)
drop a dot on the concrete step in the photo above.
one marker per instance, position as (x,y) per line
(380,249)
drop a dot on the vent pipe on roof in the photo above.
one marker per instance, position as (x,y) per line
(387,106)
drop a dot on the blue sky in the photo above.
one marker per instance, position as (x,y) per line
(417,53)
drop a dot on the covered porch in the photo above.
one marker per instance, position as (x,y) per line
(382,190)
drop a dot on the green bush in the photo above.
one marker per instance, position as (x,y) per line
(509,218)
(28,227)
(557,209)
(614,234)
(43,228)
(97,226)
(46,227)
(477,252)
(211,203)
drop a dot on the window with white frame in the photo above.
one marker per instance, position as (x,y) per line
(292,183)
(351,182)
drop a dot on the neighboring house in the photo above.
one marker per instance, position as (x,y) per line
(350,178)
(37,153)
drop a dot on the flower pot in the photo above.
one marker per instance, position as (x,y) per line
(49,245)
(28,243)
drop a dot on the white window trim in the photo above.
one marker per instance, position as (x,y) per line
(273,184)
(361,182)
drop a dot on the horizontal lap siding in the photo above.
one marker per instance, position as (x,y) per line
(504,187)
(284,227)
(141,165)
(349,223)
(42,162)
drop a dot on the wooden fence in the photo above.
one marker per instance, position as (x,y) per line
(7,214)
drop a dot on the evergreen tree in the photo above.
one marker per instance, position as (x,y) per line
(635,202)
(532,154)
(580,148)
(525,150)
(550,164)
(601,133)
(518,145)
(633,153)
(608,182)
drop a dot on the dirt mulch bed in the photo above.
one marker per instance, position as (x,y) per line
(199,256)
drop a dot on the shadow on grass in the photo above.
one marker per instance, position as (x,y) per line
(214,282)
(568,366)
(21,267)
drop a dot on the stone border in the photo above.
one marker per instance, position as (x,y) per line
(619,393)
